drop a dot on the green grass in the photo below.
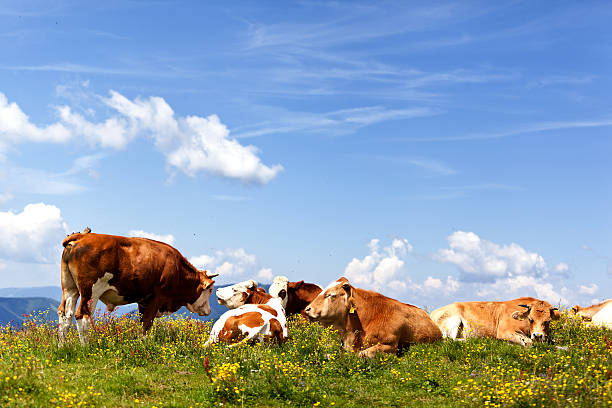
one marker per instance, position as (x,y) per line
(170,368)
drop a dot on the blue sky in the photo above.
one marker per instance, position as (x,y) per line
(433,151)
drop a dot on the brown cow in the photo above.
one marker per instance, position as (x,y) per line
(369,322)
(120,270)
(600,314)
(254,316)
(522,321)
(295,295)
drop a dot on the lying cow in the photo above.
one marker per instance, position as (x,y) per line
(520,321)
(369,322)
(599,314)
(120,270)
(254,316)
(295,296)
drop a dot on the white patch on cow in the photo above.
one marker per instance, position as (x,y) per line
(65,317)
(603,317)
(279,283)
(201,305)
(252,333)
(83,325)
(232,296)
(101,290)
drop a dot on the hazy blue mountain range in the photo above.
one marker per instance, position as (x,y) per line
(12,309)
(15,302)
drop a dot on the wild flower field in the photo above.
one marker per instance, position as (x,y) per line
(170,368)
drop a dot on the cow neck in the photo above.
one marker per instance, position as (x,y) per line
(190,279)
(258,298)
(301,297)
(353,331)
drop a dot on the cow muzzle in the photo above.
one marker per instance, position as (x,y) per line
(310,314)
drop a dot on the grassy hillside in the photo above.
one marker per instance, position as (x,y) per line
(169,368)
(14,309)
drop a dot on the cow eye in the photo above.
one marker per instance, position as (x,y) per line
(330,295)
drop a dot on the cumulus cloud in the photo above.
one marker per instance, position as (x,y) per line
(588,289)
(265,275)
(190,144)
(483,261)
(168,239)
(432,283)
(381,266)
(231,264)
(33,235)
(498,272)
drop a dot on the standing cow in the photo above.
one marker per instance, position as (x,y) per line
(369,322)
(522,321)
(294,295)
(120,270)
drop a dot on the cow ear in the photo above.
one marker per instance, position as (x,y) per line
(299,284)
(346,286)
(555,314)
(208,284)
(518,315)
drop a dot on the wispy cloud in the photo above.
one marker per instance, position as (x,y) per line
(532,128)
(232,198)
(168,72)
(336,122)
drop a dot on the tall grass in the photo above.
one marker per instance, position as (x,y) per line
(170,368)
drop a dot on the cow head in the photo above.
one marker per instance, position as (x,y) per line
(538,316)
(581,313)
(333,303)
(279,289)
(204,290)
(236,295)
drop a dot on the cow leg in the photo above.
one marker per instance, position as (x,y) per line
(517,338)
(148,311)
(378,348)
(66,310)
(83,317)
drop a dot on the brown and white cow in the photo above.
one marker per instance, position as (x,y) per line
(295,296)
(119,270)
(599,314)
(522,321)
(254,315)
(369,322)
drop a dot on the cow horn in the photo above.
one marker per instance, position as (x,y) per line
(527,306)
(213,275)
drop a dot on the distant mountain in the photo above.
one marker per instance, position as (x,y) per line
(53,292)
(18,301)
(12,309)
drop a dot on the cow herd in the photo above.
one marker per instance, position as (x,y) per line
(120,270)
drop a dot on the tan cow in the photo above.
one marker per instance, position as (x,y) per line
(120,270)
(522,321)
(599,314)
(369,322)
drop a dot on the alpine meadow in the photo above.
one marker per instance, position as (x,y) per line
(170,368)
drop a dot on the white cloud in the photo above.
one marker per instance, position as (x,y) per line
(4,197)
(168,239)
(15,127)
(231,264)
(432,283)
(588,289)
(500,272)
(380,268)
(519,286)
(191,144)
(483,261)
(265,275)
(33,235)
